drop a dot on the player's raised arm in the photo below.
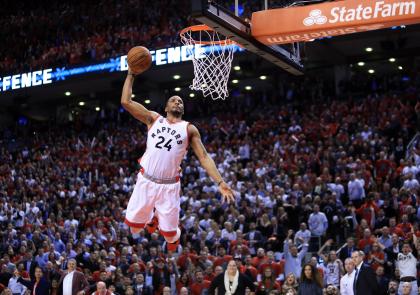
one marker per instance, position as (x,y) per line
(208,163)
(136,109)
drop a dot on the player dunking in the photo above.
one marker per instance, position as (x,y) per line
(156,197)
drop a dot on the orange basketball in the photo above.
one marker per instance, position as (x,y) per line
(139,59)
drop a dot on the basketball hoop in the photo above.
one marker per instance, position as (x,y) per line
(212,63)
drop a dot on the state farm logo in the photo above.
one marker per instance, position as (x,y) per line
(315,17)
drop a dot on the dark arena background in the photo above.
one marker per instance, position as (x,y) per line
(318,139)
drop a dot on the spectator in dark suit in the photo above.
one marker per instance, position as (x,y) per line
(30,264)
(38,285)
(364,280)
(241,224)
(254,238)
(382,280)
(346,250)
(140,287)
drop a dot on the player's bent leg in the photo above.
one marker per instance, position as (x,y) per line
(140,206)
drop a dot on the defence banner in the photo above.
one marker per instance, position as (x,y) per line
(305,23)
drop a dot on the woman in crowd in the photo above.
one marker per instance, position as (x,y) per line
(310,281)
(290,285)
(39,285)
(268,282)
(231,282)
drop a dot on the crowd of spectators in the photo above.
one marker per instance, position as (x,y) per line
(314,180)
(43,34)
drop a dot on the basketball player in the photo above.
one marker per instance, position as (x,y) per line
(155,201)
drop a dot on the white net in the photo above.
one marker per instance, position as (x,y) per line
(212,56)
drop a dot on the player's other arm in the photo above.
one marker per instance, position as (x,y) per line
(207,162)
(136,109)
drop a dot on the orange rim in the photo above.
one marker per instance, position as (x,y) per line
(197,28)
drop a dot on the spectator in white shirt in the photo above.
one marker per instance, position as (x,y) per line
(410,168)
(295,127)
(407,266)
(346,282)
(355,189)
(244,152)
(15,286)
(411,182)
(228,233)
(303,235)
(337,188)
(318,222)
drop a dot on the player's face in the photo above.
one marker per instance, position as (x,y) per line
(175,106)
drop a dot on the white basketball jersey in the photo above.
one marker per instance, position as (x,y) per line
(167,144)
(333,273)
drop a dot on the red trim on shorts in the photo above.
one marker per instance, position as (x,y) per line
(168,234)
(134,224)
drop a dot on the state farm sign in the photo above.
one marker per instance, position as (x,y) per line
(298,24)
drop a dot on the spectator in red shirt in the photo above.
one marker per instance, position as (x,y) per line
(405,226)
(260,258)
(222,259)
(199,284)
(366,243)
(276,267)
(394,229)
(101,289)
(268,282)
(368,210)
(209,273)
(249,269)
(376,257)
(383,166)
(183,281)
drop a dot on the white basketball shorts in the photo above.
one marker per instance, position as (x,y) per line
(148,195)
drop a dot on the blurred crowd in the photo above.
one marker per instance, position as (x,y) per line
(315,180)
(43,34)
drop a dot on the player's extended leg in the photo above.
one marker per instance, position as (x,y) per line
(167,211)
(140,206)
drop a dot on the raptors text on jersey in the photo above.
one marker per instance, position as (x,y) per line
(167,144)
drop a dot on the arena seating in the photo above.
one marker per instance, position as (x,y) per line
(63,193)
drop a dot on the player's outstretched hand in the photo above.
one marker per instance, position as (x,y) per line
(227,193)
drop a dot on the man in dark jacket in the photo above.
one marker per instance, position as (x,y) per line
(365,282)
(72,281)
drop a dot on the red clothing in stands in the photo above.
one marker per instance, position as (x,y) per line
(197,288)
